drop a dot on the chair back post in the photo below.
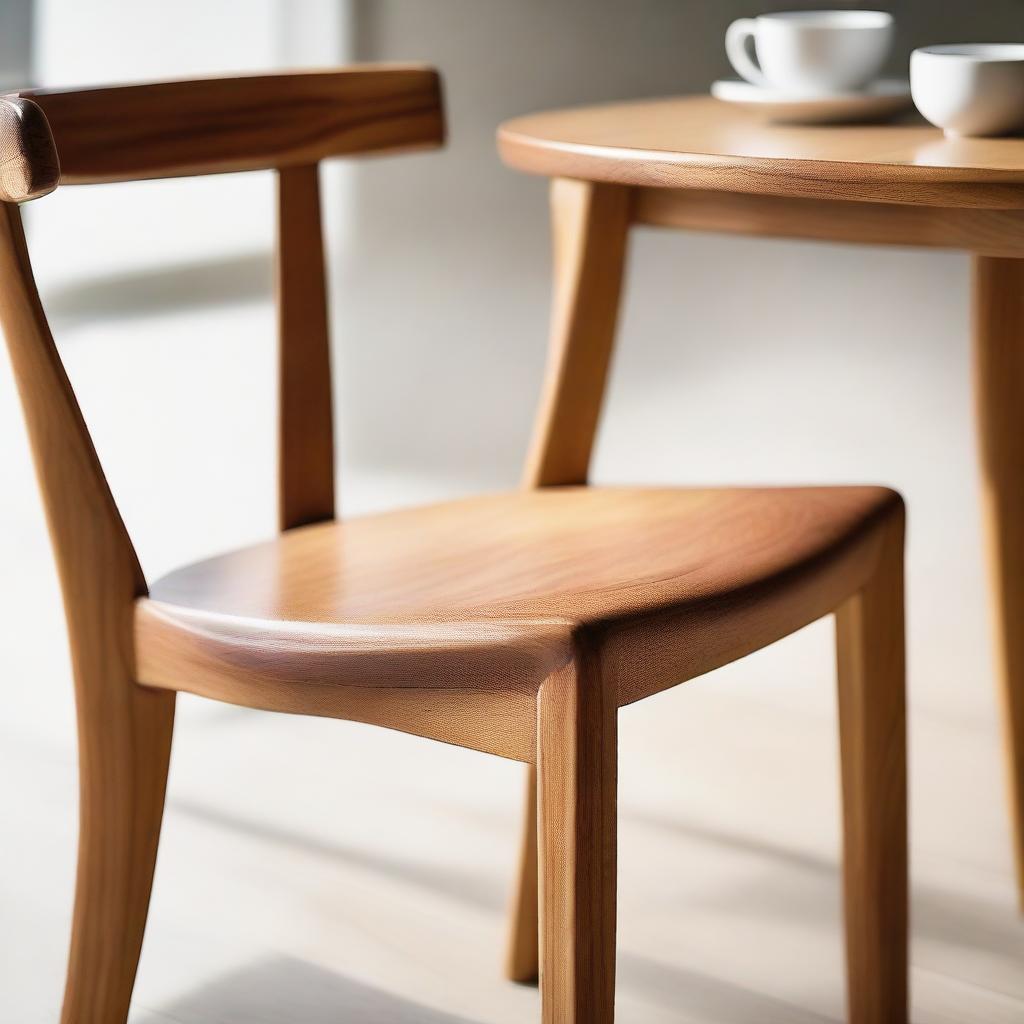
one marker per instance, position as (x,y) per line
(94,553)
(99,572)
(305,452)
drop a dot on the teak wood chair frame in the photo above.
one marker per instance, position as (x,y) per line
(542,686)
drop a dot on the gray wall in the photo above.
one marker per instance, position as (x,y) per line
(15,43)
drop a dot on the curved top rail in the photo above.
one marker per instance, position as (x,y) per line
(241,123)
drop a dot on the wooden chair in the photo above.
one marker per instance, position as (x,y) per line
(515,624)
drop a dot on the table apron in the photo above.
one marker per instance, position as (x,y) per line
(985,232)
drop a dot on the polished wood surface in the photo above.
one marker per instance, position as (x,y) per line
(245,123)
(124,731)
(999,383)
(305,449)
(522,945)
(515,624)
(28,158)
(873,756)
(588,556)
(700,142)
(388,601)
(590,227)
(986,232)
(577,762)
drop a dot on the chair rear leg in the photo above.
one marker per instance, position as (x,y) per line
(576,761)
(124,749)
(872,724)
(522,957)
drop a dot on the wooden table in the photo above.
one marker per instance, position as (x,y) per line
(697,163)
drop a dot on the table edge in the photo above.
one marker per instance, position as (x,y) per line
(906,184)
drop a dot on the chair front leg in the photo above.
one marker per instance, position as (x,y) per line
(576,762)
(872,725)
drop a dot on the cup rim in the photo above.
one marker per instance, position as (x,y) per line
(843,19)
(978,53)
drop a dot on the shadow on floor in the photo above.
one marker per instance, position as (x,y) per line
(478,891)
(790,885)
(805,886)
(801,885)
(240,278)
(284,990)
(699,996)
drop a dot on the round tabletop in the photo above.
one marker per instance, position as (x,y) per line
(701,142)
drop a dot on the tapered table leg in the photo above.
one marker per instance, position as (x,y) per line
(999,363)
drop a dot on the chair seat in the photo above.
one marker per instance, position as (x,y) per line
(487,593)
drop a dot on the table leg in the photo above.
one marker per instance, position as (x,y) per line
(999,363)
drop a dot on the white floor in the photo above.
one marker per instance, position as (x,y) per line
(316,871)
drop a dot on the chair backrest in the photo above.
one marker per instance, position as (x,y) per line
(285,122)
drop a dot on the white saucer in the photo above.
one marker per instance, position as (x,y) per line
(876,102)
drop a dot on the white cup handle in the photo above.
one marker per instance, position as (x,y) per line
(736,36)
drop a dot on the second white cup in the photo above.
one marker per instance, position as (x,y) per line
(811,52)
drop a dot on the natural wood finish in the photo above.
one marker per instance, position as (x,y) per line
(415,679)
(387,600)
(588,266)
(124,731)
(305,425)
(699,142)
(987,232)
(244,123)
(872,730)
(124,752)
(695,163)
(590,224)
(999,373)
(28,159)
(576,764)
(514,624)
(522,951)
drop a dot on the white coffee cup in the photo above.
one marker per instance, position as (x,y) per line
(811,52)
(970,88)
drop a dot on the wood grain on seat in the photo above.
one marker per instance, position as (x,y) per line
(486,593)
